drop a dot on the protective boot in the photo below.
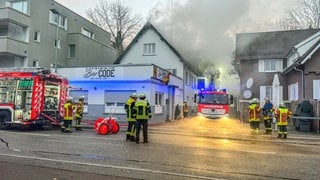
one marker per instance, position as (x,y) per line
(132,139)
(78,129)
(145,141)
(128,137)
(279,136)
(285,136)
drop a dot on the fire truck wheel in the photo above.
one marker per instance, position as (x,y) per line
(104,129)
(4,117)
(115,128)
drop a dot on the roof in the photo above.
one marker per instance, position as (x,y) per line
(303,51)
(276,44)
(149,26)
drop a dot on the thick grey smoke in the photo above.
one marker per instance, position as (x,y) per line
(204,30)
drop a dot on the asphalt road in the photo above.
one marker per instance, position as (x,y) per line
(186,149)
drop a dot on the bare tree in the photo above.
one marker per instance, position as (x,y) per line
(305,15)
(117,19)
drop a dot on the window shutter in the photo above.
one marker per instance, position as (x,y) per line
(281,93)
(261,65)
(316,89)
(280,65)
(262,94)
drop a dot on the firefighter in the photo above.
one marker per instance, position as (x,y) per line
(79,113)
(254,118)
(267,111)
(68,115)
(129,107)
(282,114)
(143,114)
(185,109)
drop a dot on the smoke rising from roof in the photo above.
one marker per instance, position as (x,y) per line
(204,30)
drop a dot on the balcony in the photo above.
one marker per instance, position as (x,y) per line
(11,46)
(14,15)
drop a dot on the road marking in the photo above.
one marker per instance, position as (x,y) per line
(110,166)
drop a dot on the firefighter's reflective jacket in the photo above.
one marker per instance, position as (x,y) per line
(254,111)
(282,115)
(79,109)
(68,111)
(129,107)
(143,110)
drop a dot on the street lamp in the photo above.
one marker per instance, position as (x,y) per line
(54,11)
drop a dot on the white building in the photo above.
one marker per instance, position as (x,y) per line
(149,65)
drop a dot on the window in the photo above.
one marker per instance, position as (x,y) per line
(72,50)
(115,101)
(87,33)
(159,99)
(316,89)
(293,92)
(267,91)
(270,65)
(57,43)
(35,63)
(36,36)
(149,49)
(21,6)
(17,32)
(56,18)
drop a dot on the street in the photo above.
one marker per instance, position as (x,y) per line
(187,149)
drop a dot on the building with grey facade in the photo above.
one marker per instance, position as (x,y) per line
(44,33)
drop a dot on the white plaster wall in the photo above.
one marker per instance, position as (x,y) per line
(164,58)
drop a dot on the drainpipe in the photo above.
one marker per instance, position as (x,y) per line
(302,81)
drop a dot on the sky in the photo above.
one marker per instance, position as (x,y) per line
(204,31)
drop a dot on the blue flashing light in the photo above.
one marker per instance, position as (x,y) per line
(201,84)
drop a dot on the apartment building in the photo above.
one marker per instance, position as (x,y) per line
(43,33)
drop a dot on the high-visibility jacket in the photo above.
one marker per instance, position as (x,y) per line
(142,110)
(254,111)
(185,107)
(79,109)
(129,107)
(282,115)
(68,111)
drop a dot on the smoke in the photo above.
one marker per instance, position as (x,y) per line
(204,30)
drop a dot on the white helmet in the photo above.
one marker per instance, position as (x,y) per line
(142,96)
(267,99)
(281,104)
(69,98)
(81,98)
(134,95)
(253,101)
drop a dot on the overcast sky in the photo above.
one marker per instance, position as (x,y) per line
(209,25)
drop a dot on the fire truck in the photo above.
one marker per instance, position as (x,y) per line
(31,96)
(213,104)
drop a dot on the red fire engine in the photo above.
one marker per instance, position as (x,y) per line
(213,104)
(31,96)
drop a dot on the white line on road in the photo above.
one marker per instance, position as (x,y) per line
(109,166)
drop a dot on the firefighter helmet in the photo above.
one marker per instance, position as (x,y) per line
(134,95)
(142,96)
(81,98)
(281,104)
(253,101)
(69,98)
(267,99)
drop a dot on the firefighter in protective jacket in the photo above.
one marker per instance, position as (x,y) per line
(282,114)
(79,113)
(143,114)
(267,112)
(254,117)
(68,115)
(131,117)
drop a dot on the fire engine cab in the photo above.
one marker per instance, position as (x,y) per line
(31,96)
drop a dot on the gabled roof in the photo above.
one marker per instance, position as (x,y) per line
(303,51)
(149,26)
(275,44)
